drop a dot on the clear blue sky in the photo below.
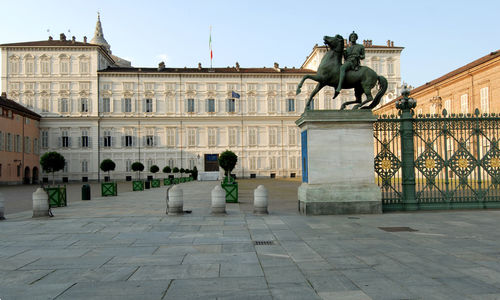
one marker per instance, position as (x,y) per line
(438,36)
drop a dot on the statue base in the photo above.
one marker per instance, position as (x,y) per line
(338,174)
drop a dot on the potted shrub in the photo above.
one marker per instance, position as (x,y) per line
(138,184)
(182,171)
(175,170)
(155,182)
(52,162)
(227,161)
(108,188)
(167,170)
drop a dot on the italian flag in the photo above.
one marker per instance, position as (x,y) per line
(210,45)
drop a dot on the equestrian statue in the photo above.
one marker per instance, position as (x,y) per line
(331,72)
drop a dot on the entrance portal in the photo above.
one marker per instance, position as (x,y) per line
(211,162)
(26,175)
(34,178)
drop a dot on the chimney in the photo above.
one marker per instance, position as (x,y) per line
(392,43)
(4,94)
(73,39)
(161,66)
(85,39)
(388,43)
(237,66)
(199,66)
(62,37)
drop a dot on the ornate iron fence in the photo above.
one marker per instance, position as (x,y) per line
(438,162)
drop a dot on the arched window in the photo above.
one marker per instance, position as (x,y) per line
(14,64)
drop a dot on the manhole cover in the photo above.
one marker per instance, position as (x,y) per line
(263,242)
(397,229)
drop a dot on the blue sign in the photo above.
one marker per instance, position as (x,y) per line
(303,136)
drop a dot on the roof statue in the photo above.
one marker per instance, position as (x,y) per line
(98,38)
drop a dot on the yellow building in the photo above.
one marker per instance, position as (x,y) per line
(475,85)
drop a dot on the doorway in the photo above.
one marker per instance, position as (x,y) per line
(211,162)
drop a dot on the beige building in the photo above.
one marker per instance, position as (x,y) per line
(461,91)
(94,106)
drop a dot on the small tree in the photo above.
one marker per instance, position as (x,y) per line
(107,165)
(138,167)
(182,171)
(52,162)
(175,170)
(154,169)
(227,161)
(167,169)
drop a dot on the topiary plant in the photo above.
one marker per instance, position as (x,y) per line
(175,170)
(52,162)
(154,169)
(107,165)
(227,161)
(138,167)
(167,169)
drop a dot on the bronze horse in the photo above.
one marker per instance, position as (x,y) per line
(362,80)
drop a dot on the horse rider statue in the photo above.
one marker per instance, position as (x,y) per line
(353,55)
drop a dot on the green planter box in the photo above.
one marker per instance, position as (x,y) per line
(57,196)
(155,183)
(177,180)
(231,191)
(109,189)
(138,185)
(167,181)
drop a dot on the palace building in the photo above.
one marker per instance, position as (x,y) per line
(95,105)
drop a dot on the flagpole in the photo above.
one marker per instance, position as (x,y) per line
(210,46)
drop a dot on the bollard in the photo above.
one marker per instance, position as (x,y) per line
(175,202)
(2,207)
(260,200)
(40,203)
(218,200)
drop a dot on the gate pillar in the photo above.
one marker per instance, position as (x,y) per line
(337,163)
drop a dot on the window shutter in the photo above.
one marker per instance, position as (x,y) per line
(113,141)
(101,142)
(123,141)
(59,106)
(100,105)
(89,139)
(206,105)
(143,105)
(69,141)
(123,105)
(155,140)
(134,141)
(80,141)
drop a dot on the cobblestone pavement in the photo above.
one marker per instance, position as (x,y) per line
(126,247)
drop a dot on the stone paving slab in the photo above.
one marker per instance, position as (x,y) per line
(126,247)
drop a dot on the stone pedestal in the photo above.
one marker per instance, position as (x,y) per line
(338,174)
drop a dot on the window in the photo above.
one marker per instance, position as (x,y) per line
(148,105)
(17,145)
(293,163)
(84,105)
(190,105)
(36,146)
(106,139)
(14,65)
(191,137)
(171,163)
(192,163)
(85,166)
(272,163)
(45,139)
(252,87)
(149,141)
(65,140)
(290,107)
(447,105)
(45,65)
(273,136)
(233,133)
(64,66)
(29,66)
(211,87)
(18,170)
(105,107)
(2,144)
(149,163)
(149,86)
(464,105)
(251,104)
(272,87)
(170,137)
(212,137)
(106,86)
(128,141)
(485,104)
(252,137)
(390,67)
(292,136)
(230,105)
(127,105)
(210,105)
(8,142)
(432,109)
(29,101)
(253,163)
(63,105)
(27,144)
(84,66)
(271,104)
(128,86)
(84,140)
(128,165)
(45,104)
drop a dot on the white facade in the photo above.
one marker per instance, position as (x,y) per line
(163,116)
